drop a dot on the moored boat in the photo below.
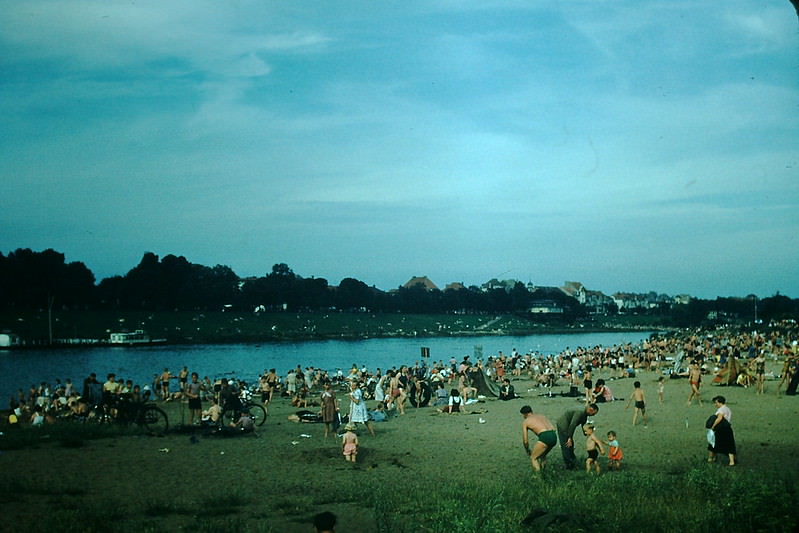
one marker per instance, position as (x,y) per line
(134,338)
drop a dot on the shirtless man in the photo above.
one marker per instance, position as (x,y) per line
(265,387)
(183,377)
(164,379)
(272,381)
(547,436)
(694,377)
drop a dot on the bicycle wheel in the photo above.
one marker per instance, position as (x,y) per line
(102,416)
(154,420)
(257,413)
(229,416)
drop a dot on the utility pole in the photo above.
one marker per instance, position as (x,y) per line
(755,298)
(50,300)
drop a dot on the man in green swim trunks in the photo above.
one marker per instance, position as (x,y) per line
(547,436)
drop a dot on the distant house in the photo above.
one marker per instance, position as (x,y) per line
(455,286)
(540,307)
(9,340)
(576,290)
(630,302)
(506,284)
(424,281)
(598,302)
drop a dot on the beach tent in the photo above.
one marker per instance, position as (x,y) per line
(484,385)
(728,375)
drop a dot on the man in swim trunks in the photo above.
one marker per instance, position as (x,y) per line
(694,378)
(547,436)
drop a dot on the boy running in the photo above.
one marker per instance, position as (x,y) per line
(640,406)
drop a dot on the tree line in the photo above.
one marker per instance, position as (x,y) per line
(36,280)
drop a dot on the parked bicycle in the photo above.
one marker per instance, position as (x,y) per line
(231,414)
(144,414)
(234,404)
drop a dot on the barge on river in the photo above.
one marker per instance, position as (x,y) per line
(135,338)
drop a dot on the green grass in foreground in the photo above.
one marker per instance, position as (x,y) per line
(702,499)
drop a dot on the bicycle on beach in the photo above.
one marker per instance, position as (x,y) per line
(231,414)
(144,414)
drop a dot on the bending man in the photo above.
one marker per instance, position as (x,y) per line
(567,424)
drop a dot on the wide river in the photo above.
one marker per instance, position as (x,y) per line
(23,368)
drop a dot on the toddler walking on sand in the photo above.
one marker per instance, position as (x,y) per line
(349,443)
(594,447)
(614,452)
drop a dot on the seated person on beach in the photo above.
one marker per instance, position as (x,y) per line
(465,387)
(548,378)
(744,379)
(305,416)
(37,419)
(602,393)
(455,403)
(441,395)
(213,414)
(245,422)
(506,391)
(174,396)
(78,406)
(378,414)
(301,398)
(136,395)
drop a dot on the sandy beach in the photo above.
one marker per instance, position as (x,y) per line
(280,477)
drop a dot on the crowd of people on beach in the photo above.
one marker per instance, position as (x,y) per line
(452,387)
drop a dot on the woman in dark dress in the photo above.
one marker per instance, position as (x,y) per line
(722,429)
(329,409)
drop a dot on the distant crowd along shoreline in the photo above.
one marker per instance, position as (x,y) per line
(711,352)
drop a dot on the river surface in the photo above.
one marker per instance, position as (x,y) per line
(23,368)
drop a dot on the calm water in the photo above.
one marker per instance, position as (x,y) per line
(21,369)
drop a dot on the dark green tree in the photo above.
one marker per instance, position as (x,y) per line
(36,280)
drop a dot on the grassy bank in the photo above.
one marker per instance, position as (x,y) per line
(226,327)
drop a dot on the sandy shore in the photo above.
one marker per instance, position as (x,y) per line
(288,472)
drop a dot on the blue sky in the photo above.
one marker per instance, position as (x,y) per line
(632,146)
